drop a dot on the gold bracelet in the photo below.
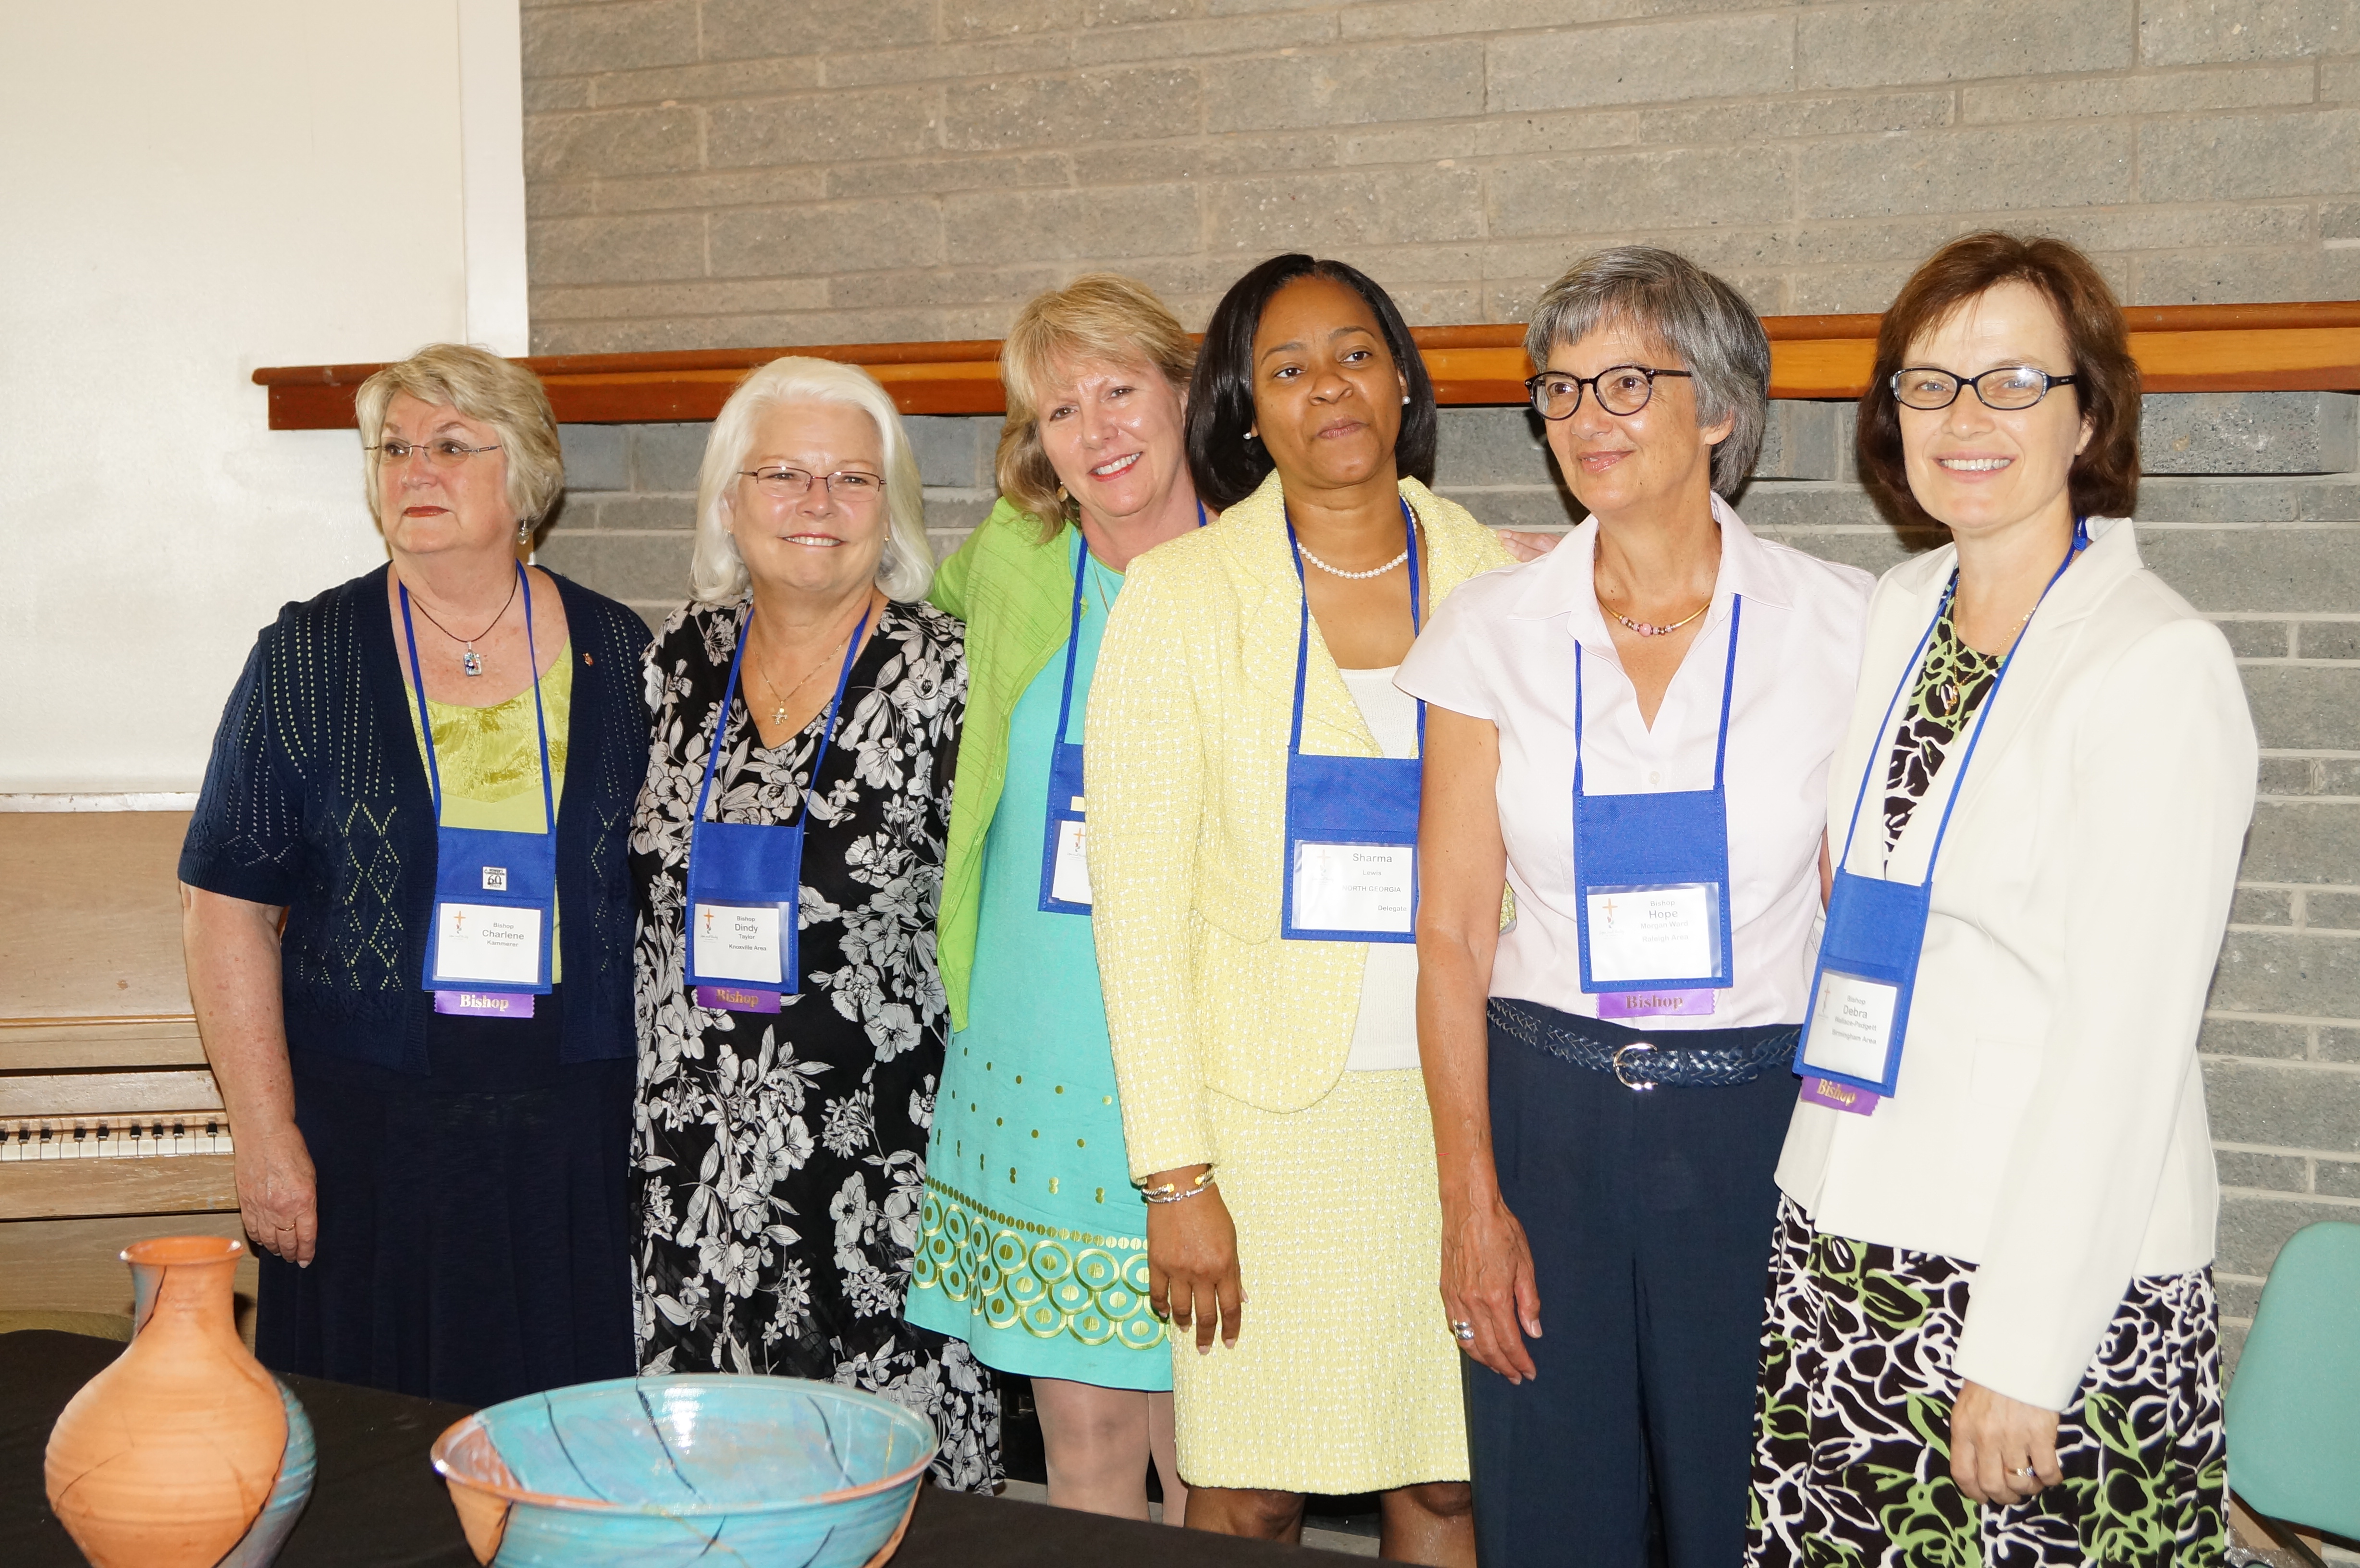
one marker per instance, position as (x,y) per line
(1172,1193)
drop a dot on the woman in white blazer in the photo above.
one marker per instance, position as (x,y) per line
(1991,1332)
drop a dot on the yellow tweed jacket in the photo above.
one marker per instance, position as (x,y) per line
(1187,764)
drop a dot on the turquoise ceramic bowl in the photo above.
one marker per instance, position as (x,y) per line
(742,1471)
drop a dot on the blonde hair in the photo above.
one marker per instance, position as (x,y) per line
(482,386)
(716,573)
(1099,316)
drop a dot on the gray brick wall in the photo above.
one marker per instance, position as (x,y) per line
(2251,508)
(720,172)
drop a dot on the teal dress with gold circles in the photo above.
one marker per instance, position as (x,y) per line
(1035,1243)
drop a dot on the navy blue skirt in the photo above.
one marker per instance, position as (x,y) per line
(473,1223)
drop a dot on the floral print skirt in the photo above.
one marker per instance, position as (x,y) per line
(1851,1463)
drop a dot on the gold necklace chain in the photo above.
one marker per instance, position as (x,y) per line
(1648,628)
(778,713)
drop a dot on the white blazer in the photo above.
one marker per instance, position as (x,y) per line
(2048,1121)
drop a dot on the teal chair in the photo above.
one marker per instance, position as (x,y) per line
(2294,1409)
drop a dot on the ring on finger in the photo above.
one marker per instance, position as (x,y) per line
(2026,1474)
(1463,1331)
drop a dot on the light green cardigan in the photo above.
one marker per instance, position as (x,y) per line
(1016,595)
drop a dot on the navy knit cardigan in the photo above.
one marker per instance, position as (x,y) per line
(316,799)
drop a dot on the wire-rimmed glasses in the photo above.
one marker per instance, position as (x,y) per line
(446,451)
(1622,389)
(2009,388)
(845,485)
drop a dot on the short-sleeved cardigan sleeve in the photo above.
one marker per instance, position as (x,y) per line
(246,839)
(315,799)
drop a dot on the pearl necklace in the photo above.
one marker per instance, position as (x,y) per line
(1355,576)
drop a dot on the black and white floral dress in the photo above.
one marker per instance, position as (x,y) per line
(779,1161)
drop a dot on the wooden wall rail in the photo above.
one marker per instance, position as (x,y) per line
(2180,348)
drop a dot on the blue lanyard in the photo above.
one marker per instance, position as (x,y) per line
(1727,686)
(1877,753)
(730,695)
(426,727)
(1083,562)
(1303,636)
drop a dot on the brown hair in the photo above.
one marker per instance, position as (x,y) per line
(1099,316)
(2104,478)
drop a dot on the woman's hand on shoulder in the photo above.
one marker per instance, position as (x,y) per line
(1192,1261)
(1525,545)
(278,1196)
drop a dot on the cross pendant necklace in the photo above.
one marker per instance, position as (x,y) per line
(778,713)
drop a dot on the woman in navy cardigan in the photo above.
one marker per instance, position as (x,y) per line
(407,917)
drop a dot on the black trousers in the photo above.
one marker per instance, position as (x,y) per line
(1650,1218)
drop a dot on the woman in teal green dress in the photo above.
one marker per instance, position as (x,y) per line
(1034,1245)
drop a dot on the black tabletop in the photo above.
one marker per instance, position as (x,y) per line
(378,1504)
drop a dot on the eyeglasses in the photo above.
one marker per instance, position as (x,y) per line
(444,453)
(1622,389)
(845,485)
(2009,388)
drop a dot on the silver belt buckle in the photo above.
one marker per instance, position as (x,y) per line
(1619,1078)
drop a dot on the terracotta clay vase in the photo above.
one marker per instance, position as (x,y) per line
(183,1454)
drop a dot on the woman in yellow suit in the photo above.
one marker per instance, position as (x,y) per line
(1253,813)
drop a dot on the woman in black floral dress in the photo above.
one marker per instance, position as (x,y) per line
(779,1150)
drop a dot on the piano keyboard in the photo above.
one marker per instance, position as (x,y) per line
(140,1137)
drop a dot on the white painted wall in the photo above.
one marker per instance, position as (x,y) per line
(191,191)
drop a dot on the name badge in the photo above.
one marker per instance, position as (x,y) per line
(1846,1097)
(1656,1004)
(1650,868)
(1640,934)
(485,1004)
(737,941)
(1355,887)
(1070,882)
(1852,1026)
(487,942)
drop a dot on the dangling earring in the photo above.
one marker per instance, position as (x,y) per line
(1067,508)
(524,533)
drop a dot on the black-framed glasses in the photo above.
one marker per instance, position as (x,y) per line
(447,452)
(1622,389)
(847,484)
(2008,389)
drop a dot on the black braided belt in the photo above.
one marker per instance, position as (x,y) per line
(1639,1063)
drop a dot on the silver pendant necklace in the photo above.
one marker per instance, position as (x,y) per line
(469,659)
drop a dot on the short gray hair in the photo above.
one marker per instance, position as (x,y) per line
(716,573)
(1696,315)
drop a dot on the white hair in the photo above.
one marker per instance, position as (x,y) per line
(716,573)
